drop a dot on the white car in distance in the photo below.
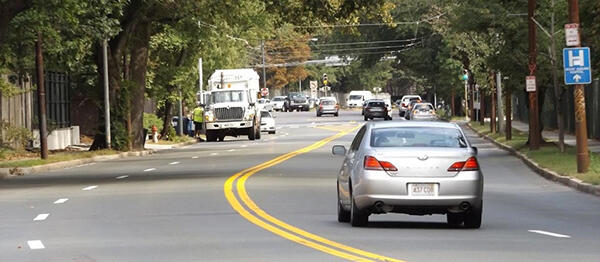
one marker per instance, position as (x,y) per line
(264,104)
(267,122)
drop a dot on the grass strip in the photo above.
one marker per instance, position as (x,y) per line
(56,157)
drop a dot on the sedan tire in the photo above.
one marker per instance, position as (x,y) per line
(358,218)
(366,118)
(343,215)
(473,217)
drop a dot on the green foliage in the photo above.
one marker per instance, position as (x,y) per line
(120,138)
(150,120)
(171,134)
(12,136)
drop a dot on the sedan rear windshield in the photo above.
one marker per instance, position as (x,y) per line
(355,97)
(425,136)
(425,107)
(327,102)
(376,104)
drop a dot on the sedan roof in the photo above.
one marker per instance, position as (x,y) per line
(432,124)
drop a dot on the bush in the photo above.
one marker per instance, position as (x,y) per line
(171,134)
(152,119)
(14,136)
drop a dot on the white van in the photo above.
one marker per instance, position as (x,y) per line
(357,98)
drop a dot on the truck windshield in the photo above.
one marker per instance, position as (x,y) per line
(227,96)
(355,97)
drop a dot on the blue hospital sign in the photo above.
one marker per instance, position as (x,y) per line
(577,66)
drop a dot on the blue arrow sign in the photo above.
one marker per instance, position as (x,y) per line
(577,66)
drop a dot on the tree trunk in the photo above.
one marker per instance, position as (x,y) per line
(452,108)
(508,114)
(168,114)
(481,107)
(493,102)
(139,63)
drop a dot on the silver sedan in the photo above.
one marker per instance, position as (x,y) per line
(417,168)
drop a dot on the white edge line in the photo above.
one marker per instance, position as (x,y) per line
(214,154)
(174,163)
(121,177)
(149,169)
(549,233)
(89,188)
(41,217)
(195,157)
(61,200)
(35,244)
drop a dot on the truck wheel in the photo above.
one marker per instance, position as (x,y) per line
(258,133)
(211,136)
(222,138)
(251,133)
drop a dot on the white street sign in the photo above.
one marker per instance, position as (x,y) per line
(572,34)
(313,85)
(530,84)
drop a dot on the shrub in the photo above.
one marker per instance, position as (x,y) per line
(14,136)
(152,119)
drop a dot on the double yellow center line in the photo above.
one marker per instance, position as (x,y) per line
(243,204)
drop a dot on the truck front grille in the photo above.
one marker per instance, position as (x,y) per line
(232,113)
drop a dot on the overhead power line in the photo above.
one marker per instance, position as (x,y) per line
(371,42)
(352,49)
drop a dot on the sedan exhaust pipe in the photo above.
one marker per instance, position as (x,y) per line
(464,206)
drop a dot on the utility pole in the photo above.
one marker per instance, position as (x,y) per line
(180,115)
(493,102)
(200,88)
(534,132)
(106,94)
(299,85)
(39,64)
(467,99)
(557,90)
(583,158)
(262,47)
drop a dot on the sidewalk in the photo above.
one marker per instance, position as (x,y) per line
(593,145)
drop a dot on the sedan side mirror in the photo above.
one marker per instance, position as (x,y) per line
(338,150)
(475,150)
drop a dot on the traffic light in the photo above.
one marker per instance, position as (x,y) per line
(325,80)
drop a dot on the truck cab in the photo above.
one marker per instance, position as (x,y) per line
(231,108)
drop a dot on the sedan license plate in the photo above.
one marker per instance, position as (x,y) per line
(422,189)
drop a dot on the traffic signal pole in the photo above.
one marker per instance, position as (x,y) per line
(583,158)
(534,132)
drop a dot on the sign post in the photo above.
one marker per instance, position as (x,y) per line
(572,34)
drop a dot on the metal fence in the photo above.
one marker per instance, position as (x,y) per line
(58,99)
(592,99)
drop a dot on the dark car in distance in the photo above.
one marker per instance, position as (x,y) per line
(298,102)
(376,108)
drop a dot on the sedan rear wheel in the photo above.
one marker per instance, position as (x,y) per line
(358,218)
(343,215)
(473,217)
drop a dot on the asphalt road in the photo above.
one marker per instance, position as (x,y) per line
(274,200)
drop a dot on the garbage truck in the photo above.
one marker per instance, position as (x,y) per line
(231,105)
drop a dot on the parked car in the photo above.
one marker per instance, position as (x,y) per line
(405,102)
(376,108)
(267,122)
(416,168)
(280,103)
(423,111)
(298,102)
(328,106)
(264,104)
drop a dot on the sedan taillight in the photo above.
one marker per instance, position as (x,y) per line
(470,165)
(371,163)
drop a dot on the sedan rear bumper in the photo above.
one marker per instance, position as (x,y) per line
(377,186)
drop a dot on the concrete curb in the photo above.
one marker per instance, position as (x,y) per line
(544,172)
(20,171)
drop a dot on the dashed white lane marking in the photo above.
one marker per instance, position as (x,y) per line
(549,233)
(149,169)
(174,163)
(231,150)
(41,217)
(244,146)
(195,157)
(35,244)
(61,200)
(214,154)
(89,188)
(121,177)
